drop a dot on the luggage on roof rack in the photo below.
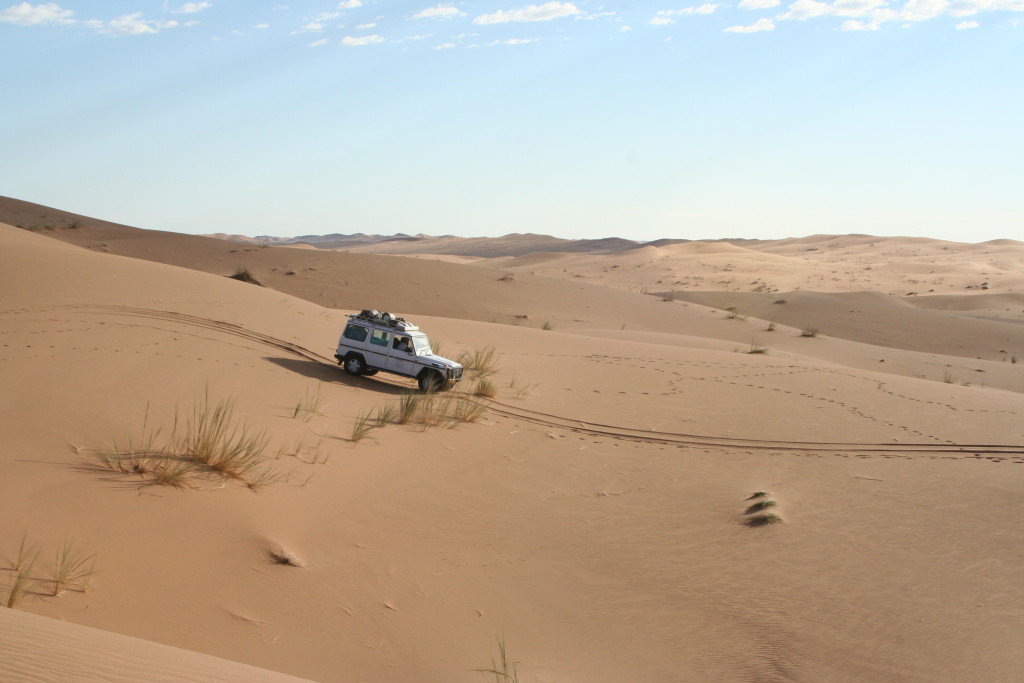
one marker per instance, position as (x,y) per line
(388,319)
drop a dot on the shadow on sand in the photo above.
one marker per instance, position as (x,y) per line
(332,373)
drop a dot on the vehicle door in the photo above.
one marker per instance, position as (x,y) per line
(377,348)
(401,358)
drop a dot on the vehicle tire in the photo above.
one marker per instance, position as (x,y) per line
(431,382)
(354,365)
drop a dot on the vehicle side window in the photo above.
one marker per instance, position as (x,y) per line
(355,332)
(379,337)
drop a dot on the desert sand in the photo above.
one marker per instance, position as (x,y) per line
(594,519)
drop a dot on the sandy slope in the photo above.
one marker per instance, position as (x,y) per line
(595,524)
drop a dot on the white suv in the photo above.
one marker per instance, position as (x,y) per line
(374,341)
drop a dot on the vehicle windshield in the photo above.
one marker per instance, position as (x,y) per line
(422,345)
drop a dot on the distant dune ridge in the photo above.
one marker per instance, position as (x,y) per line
(603,521)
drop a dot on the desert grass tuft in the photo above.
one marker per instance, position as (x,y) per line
(809,332)
(466,410)
(771,327)
(263,477)
(761,505)
(23,581)
(309,406)
(521,389)
(72,570)
(385,415)
(480,362)
(485,388)
(948,377)
(435,410)
(501,668)
(757,494)
(409,407)
(362,427)
(171,471)
(547,326)
(242,274)
(757,348)
(764,519)
(211,437)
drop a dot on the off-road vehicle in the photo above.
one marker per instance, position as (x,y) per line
(375,341)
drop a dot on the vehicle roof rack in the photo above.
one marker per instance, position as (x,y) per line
(386,319)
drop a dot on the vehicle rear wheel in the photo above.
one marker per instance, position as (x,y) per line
(430,382)
(354,365)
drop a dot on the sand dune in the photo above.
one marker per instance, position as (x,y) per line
(596,522)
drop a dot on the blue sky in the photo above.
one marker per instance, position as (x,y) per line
(753,118)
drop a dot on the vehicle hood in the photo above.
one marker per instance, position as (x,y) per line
(441,362)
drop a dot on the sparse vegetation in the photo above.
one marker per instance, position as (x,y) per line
(309,405)
(212,438)
(732,313)
(763,504)
(24,564)
(466,410)
(764,519)
(546,326)
(479,362)
(948,377)
(385,414)
(779,301)
(362,427)
(72,570)
(242,274)
(501,668)
(809,332)
(485,388)
(757,494)
(507,277)
(770,328)
(408,407)
(520,389)
(206,441)
(757,348)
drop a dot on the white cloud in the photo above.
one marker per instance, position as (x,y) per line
(445,46)
(133,25)
(759,4)
(193,7)
(515,41)
(966,25)
(665,16)
(350,4)
(357,41)
(545,12)
(759,25)
(439,12)
(314,27)
(626,28)
(363,27)
(857,25)
(319,43)
(25,14)
(262,26)
(805,9)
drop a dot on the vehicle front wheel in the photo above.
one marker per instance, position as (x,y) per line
(430,382)
(354,365)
